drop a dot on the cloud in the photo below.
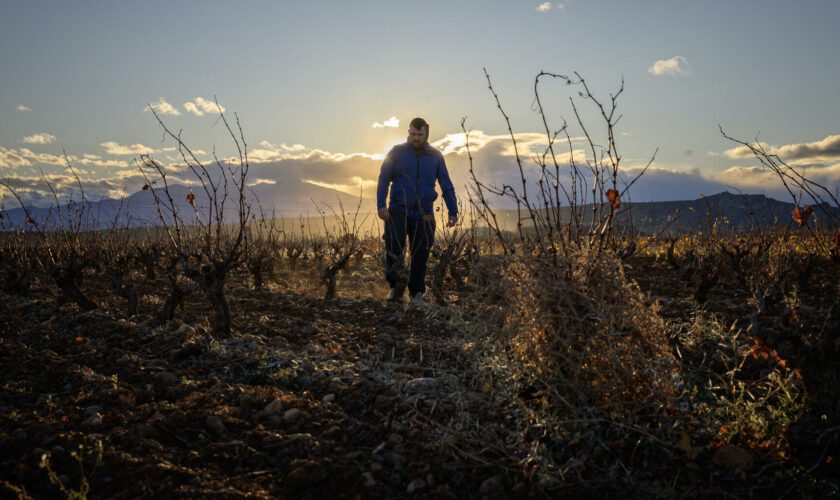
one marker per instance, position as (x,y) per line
(354,186)
(544,7)
(9,158)
(199,106)
(823,150)
(23,108)
(163,107)
(41,138)
(45,158)
(293,173)
(268,152)
(98,162)
(756,178)
(392,122)
(675,66)
(114,148)
(528,144)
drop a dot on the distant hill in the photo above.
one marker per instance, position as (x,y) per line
(139,209)
(738,212)
(293,201)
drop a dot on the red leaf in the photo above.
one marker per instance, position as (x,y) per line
(191,198)
(145,187)
(612,195)
(800,216)
(760,351)
(30,220)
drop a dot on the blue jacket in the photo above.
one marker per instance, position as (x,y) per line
(411,178)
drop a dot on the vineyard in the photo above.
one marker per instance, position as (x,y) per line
(222,352)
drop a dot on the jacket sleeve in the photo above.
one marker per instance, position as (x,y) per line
(386,173)
(447,188)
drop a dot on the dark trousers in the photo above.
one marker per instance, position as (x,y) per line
(421,236)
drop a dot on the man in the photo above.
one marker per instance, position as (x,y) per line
(410,171)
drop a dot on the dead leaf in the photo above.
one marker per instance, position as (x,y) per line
(612,195)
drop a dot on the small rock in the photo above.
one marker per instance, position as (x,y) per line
(157,417)
(376,467)
(57,450)
(734,458)
(369,479)
(277,341)
(292,415)
(415,485)
(392,457)
(215,424)
(329,398)
(92,410)
(418,385)
(309,330)
(305,476)
(185,329)
(246,402)
(165,379)
(386,339)
(273,408)
(520,489)
(395,439)
(491,487)
(331,431)
(94,420)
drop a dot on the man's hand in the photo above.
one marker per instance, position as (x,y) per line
(453,219)
(384,214)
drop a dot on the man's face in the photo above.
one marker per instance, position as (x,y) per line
(416,136)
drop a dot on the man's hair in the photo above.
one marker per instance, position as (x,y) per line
(419,124)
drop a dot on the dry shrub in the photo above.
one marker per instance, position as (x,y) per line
(577,323)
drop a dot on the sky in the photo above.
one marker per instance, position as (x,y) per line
(323,89)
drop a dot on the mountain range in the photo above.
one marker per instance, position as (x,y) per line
(292,201)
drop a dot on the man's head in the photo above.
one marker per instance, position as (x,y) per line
(418,132)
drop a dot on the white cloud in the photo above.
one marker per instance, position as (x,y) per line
(199,106)
(392,122)
(98,162)
(163,107)
(41,138)
(675,66)
(544,7)
(355,186)
(23,108)
(45,158)
(114,148)
(756,178)
(9,158)
(527,143)
(294,172)
(269,152)
(823,150)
